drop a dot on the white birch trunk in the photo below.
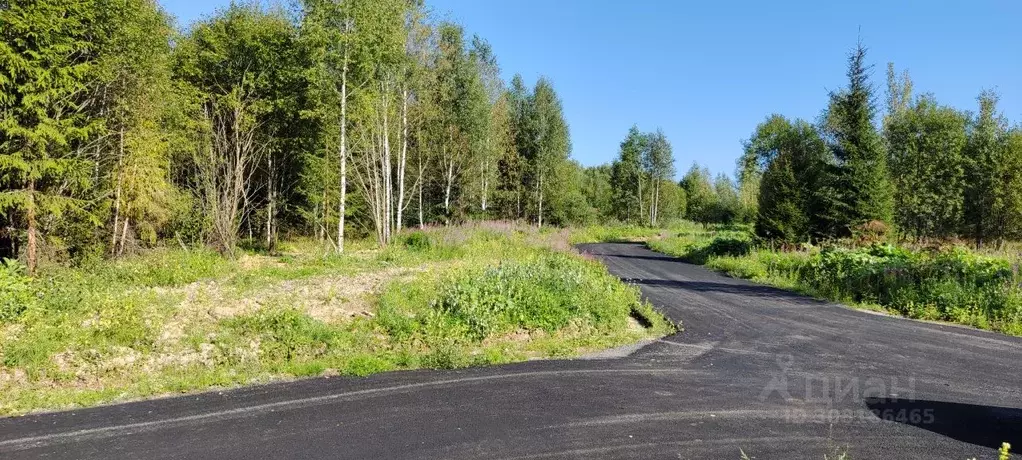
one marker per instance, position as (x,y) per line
(401,161)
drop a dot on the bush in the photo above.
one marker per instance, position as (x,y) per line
(417,241)
(732,244)
(16,291)
(544,294)
(545,291)
(952,285)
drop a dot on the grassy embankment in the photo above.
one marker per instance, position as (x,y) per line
(177,321)
(952,284)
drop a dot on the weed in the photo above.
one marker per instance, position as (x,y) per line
(182,320)
(950,284)
(16,290)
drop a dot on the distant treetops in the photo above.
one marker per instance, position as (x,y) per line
(929,171)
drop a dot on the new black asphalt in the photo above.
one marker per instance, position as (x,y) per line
(756,369)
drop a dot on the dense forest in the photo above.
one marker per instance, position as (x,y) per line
(325,119)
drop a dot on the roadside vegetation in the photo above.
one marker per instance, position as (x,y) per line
(173,320)
(949,283)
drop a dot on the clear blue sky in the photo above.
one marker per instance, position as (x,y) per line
(708,72)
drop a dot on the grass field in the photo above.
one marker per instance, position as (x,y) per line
(176,321)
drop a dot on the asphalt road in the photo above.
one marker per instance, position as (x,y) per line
(758,369)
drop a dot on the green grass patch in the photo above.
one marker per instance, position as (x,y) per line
(178,321)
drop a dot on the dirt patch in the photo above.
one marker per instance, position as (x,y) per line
(328,298)
(333,298)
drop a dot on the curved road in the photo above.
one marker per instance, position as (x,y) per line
(769,372)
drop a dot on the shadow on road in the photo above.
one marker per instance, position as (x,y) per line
(748,289)
(660,258)
(986,426)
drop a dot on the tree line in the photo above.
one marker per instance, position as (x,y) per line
(119,131)
(924,170)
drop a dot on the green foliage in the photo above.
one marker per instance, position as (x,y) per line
(180,320)
(541,295)
(862,182)
(702,198)
(17,293)
(734,244)
(792,205)
(285,334)
(546,293)
(46,63)
(953,284)
(925,143)
(164,267)
(626,178)
(417,241)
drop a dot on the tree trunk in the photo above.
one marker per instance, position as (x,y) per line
(30,255)
(269,203)
(344,154)
(124,236)
(321,231)
(518,200)
(422,169)
(539,189)
(117,194)
(449,183)
(388,189)
(401,161)
(484,170)
(640,199)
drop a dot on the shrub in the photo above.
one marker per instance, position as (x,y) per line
(16,291)
(733,244)
(418,241)
(543,294)
(954,285)
(871,232)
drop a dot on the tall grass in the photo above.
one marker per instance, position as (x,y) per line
(952,284)
(175,320)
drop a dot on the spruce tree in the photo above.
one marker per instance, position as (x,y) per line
(47,59)
(862,182)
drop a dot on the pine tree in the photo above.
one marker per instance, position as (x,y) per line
(789,200)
